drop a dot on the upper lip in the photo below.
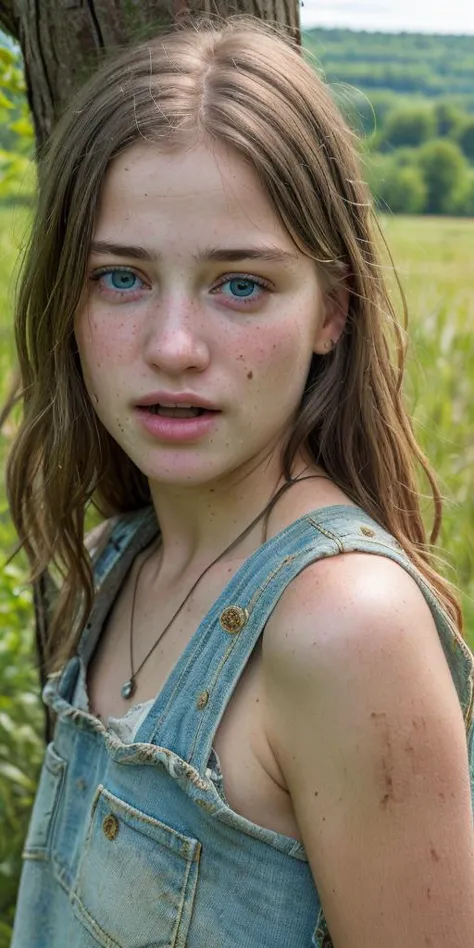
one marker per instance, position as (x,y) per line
(169,400)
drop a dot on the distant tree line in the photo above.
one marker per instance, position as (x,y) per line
(403,62)
(411,100)
(420,159)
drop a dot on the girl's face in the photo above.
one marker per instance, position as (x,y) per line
(196,296)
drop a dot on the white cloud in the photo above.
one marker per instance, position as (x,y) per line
(425,16)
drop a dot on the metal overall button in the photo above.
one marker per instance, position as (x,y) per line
(233,619)
(367,531)
(202,700)
(110,826)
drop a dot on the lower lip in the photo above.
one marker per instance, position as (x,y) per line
(176,430)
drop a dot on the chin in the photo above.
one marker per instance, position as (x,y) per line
(184,475)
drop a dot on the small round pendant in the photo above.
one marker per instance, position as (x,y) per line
(127,689)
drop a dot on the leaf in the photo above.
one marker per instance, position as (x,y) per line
(6,723)
(15,775)
(4,101)
(6,57)
(23,127)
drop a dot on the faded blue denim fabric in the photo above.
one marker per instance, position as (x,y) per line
(134,845)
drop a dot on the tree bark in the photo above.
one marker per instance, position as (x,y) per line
(62,40)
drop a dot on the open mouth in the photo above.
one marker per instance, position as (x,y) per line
(181,412)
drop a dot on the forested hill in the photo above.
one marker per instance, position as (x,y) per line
(401,63)
(410,98)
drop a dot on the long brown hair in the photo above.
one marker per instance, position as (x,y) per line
(245,84)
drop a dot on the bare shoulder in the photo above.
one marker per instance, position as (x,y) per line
(347,603)
(364,721)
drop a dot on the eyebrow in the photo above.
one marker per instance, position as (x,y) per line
(228,255)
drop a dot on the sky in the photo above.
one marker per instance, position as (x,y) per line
(424,16)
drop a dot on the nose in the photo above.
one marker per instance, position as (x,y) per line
(175,339)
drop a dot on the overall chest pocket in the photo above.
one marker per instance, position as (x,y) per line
(136,879)
(45,807)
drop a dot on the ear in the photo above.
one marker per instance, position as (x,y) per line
(335,308)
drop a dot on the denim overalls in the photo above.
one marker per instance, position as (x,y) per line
(133,845)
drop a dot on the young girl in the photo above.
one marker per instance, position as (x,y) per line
(263,701)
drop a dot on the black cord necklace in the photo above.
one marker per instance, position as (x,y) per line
(129,687)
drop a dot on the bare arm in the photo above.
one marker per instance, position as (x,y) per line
(366,725)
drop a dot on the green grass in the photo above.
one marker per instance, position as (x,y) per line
(433,260)
(20,710)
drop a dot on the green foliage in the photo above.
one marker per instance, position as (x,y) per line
(466,138)
(16,136)
(21,718)
(463,202)
(448,119)
(20,723)
(443,166)
(433,259)
(401,93)
(408,126)
(407,63)
(403,190)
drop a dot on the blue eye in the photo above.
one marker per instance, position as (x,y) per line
(243,287)
(123,281)
(118,279)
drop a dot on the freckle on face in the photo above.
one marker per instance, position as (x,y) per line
(250,375)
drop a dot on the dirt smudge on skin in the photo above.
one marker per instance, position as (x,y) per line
(379,719)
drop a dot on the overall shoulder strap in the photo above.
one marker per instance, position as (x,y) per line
(112,555)
(188,710)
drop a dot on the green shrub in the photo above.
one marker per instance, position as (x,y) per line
(444,167)
(448,119)
(466,138)
(408,126)
(21,723)
(403,190)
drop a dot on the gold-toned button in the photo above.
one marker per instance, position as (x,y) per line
(205,805)
(367,531)
(110,826)
(202,700)
(233,619)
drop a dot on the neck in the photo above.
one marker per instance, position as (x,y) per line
(198,523)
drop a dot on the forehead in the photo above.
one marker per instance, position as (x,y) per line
(206,190)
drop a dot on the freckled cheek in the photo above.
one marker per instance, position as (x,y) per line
(280,357)
(100,345)
(102,350)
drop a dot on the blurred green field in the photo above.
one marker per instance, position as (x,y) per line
(433,257)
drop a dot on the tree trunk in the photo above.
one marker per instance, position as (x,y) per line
(62,40)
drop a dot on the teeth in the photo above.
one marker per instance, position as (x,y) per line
(180,411)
